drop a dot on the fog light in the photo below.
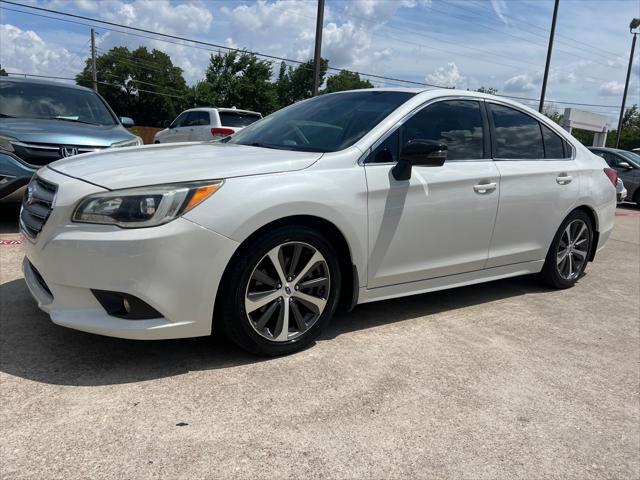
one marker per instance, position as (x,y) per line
(123,305)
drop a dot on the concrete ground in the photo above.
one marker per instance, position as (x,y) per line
(502,380)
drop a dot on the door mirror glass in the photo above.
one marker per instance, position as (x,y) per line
(624,166)
(127,122)
(424,153)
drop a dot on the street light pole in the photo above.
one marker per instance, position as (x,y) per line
(549,50)
(635,23)
(94,72)
(316,54)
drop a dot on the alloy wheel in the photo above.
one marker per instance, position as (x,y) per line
(572,249)
(287,291)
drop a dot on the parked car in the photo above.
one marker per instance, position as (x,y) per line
(202,124)
(43,121)
(627,164)
(340,199)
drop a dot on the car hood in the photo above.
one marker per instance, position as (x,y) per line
(59,132)
(179,162)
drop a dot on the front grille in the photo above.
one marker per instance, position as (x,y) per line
(36,206)
(40,154)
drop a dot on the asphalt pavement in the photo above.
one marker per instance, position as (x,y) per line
(496,381)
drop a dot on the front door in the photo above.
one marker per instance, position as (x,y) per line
(439,222)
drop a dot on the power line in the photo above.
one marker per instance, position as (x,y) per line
(209,44)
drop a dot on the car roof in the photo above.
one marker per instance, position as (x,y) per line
(216,109)
(607,149)
(40,81)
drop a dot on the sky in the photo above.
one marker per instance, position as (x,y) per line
(457,43)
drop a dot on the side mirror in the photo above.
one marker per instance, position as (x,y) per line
(624,166)
(419,152)
(166,124)
(127,122)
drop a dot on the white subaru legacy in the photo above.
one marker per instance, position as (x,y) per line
(338,200)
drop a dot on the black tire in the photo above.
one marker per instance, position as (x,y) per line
(551,274)
(230,315)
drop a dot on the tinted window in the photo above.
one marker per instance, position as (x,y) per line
(197,118)
(387,151)
(517,135)
(180,120)
(456,123)
(53,102)
(326,123)
(237,119)
(553,144)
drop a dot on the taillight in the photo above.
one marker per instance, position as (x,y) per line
(217,132)
(612,174)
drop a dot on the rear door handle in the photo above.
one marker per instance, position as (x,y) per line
(564,179)
(485,187)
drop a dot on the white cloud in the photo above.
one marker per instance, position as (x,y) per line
(379,11)
(520,84)
(447,76)
(611,89)
(499,8)
(24,51)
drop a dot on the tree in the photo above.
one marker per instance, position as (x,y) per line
(489,90)
(630,137)
(346,80)
(143,85)
(297,83)
(3,72)
(240,80)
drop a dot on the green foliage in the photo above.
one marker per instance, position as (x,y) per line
(346,80)
(489,90)
(3,72)
(130,81)
(295,84)
(630,137)
(240,80)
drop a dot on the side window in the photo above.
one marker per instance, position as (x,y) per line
(387,151)
(456,123)
(517,135)
(553,144)
(179,121)
(197,118)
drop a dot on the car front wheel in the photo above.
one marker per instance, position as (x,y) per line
(280,291)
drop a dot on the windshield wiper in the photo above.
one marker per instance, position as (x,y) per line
(72,120)
(266,145)
(295,148)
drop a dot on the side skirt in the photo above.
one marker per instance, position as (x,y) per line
(450,281)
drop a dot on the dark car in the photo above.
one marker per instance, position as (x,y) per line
(43,121)
(627,165)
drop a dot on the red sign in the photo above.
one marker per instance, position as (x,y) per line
(10,242)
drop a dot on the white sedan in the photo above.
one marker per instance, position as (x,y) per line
(341,199)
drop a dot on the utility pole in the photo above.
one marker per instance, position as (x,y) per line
(549,50)
(94,73)
(635,23)
(316,55)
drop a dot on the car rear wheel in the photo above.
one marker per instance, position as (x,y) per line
(569,252)
(280,291)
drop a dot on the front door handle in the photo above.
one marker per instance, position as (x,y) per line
(485,187)
(564,179)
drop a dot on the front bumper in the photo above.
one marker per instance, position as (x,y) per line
(621,195)
(175,268)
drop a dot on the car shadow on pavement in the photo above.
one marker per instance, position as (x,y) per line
(9,217)
(32,347)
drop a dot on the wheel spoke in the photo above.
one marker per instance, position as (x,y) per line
(266,316)
(570,261)
(315,258)
(274,256)
(281,331)
(298,316)
(261,276)
(297,250)
(254,301)
(567,232)
(583,230)
(314,282)
(314,303)
(581,253)
(562,256)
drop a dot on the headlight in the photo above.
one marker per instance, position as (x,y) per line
(5,143)
(134,142)
(145,206)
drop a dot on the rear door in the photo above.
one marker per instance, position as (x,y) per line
(199,124)
(539,184)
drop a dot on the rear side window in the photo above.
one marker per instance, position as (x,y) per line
(456,123)
(553,145)
(237,119)
(197,118)
(517,135)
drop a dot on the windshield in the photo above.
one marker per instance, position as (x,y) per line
(36,100)
(327,123)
